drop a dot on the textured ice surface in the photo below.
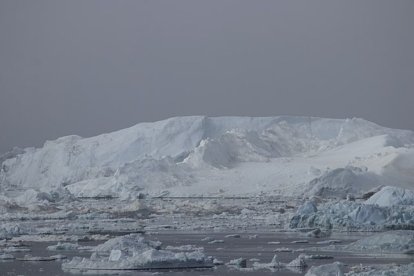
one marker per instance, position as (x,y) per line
(346,215)
(212,156)
(333,269)
(401,241)
(392,196)
(385,270)
(133,251)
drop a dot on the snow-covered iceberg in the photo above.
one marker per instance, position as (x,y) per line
(200,155)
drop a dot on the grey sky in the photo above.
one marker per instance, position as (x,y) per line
(88,67)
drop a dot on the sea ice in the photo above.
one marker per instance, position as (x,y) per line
(135,252)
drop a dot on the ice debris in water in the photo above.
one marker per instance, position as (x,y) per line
(135,252)
(63,246)
(400,241)
(333,269)
(240,263)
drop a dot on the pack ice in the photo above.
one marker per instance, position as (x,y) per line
(219,156)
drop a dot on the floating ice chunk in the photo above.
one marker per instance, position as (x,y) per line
(6,256)
(135,252)
(298,262)
(187,247)
(283,249)
(334,269)
(131,242)
(273,242)
(216,241)
(317,257)
(217,262)
(300,241)
(275,263)
(240,262)
(63,246)
(233,235)
(31,258)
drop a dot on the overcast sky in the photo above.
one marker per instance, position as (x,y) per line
(88,67)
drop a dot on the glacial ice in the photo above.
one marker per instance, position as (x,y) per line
(117,182)
(178,155)
(346,215)
(392,196)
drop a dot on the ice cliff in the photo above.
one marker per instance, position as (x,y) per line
(214,156)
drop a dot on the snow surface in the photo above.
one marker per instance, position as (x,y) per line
(219,156)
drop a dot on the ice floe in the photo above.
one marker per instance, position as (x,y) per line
(135,252)
(333,269)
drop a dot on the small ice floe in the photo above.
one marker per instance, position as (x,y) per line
(187,247)
(317,257)
(283,249)
(31,258)
(239,263)
(333,269)
(66,246)
(329,242)
(300,241)
(216,241)
(207,239)
(273,242)
(274,264)
(13,249)
(297,264)
(233,236)
(217,262)
(5,256)
(134,252)
(318,233)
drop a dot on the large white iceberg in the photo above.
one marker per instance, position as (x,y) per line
(201,156)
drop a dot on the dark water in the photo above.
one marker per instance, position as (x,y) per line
(232,248)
